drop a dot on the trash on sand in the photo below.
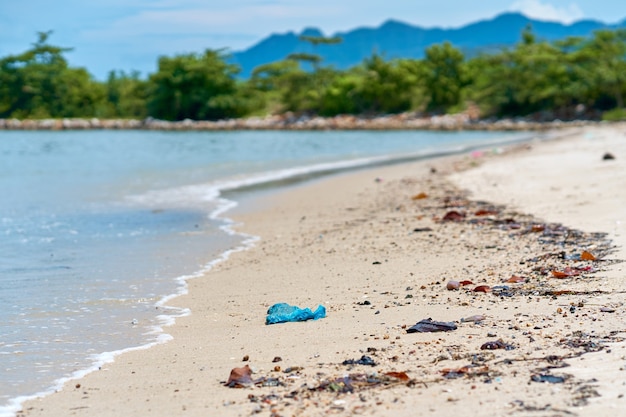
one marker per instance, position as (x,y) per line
(453,285)
(240,377)
(283,312)
(552,379)
(607,309)
(473,319)
(428,325)
(365,360)
(498,344)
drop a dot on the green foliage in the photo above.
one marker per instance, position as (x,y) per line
(126,95)
(193,86)
(444,76)
(573,77)
(39,84)
(615,115)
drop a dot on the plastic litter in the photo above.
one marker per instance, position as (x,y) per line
(365,360)
(428,325)
(283,312)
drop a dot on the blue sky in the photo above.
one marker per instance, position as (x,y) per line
(132,34)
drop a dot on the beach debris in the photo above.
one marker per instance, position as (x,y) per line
(469,370)
(428,325)
(515,280)
(473,319)
(497,344)
(482,288)
(608,156)
(364,360)
(283,312)
(568,272)
(466,282)
(587,256)
(551,379)
(607,309)
(240,377)
(422,229)
(453,216)
(246,358)
(453,285)
(402,376)
(277,359)
(485,212)
(419,196)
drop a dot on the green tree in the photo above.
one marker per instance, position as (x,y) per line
(39,83)
(193,86)
(444,76)
(126,95)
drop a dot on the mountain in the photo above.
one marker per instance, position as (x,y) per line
(394,39)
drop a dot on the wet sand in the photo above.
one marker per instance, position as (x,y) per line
(377,248)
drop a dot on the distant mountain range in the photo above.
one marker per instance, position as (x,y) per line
(394,39)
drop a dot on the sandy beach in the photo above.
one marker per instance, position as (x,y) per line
(531,237)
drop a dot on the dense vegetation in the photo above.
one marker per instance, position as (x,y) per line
(571,78)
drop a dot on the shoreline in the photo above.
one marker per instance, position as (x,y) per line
(403,121)
(294,178)
(302,247)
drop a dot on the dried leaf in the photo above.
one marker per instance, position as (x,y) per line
(420,196)
(566,273)
(515,280)
(482,288)
(538,228)
(453,216)
(466,282)
(587,256)
(470,370)
(402,376)
(484,212)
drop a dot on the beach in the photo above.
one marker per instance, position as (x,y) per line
(378,248)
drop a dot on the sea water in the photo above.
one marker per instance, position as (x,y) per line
(99,229)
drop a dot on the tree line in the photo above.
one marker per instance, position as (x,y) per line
(577,77)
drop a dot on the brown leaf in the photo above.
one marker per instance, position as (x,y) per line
(482,288)
(402,376)
(566,273)
(538,228)
(419,196)
(515,280)
(466,282)
(453,216)
(484,212)
(587,256)
(240,377)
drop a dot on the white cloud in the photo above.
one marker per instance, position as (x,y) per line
(546,11)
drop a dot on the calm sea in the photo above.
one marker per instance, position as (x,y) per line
(98,229)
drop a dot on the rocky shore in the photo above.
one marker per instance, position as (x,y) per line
(288,121)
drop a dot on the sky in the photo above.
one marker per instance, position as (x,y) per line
(131,34)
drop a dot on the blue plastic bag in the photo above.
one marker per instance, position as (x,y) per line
(283,312)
